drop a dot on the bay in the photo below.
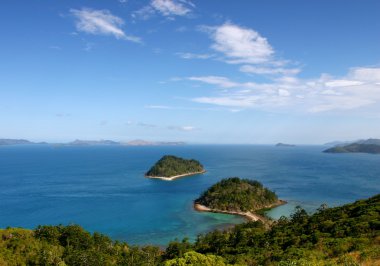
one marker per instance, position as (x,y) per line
(103,188)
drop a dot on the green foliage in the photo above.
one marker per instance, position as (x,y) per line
(169,166)
(235,194)
(331,236)
(69,245)
(346,235)
(196,259)
(355,147)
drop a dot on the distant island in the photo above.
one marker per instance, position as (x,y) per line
(361,146)
(79,142)
(15,141)
(170,167)
(238,196)
(284,145)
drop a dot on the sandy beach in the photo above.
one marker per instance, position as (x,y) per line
(248,215)
(176,176)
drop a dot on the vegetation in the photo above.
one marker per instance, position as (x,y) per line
(235,194)
(347,235)
(355,147)
(365,146)
(169,166)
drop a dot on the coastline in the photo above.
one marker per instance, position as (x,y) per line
(171,178)
(250,216)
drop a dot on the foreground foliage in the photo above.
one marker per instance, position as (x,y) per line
(235,194)
(169,166)
(347,235)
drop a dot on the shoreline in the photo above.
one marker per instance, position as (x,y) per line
(171,178)
(250,216)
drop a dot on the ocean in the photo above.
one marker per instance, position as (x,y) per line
(103,188)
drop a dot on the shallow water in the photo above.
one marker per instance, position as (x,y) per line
(103,188)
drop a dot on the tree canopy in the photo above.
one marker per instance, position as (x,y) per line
(235,194)
(170,165)
(346,235)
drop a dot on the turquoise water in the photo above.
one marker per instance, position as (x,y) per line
(104,189)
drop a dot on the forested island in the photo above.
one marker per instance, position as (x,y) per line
(362,146)
(170,167)
(237,196)
(346,235)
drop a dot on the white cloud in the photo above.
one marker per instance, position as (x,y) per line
(167,8)
(342,83)
(269,71)
(194,56)
(359,88)
(240,45)
(171,7)
(283,93)
(101,22)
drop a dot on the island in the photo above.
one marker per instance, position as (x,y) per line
(238,196)
(170,167)
(79,142)
(284,145)
(15,142)
(362,146)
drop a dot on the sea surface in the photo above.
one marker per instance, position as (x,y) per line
(103,188)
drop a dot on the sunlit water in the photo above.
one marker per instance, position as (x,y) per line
(104,189)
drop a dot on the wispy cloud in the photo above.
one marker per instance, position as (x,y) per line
(358,88)
(223,82)
(146,125)
(172,7)
(194,56)
(182,128)
(167,8)
(269,71)
(101,22)
(171,127)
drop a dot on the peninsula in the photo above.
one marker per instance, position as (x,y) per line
(170,167)
(237,196)
(362,146)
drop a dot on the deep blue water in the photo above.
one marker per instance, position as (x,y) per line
(104,189)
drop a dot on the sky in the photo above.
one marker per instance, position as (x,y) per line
(232,72)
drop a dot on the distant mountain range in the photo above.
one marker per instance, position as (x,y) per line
(14,141)
(94,142)
(361,146)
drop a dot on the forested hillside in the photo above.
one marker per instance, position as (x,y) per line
(347,235)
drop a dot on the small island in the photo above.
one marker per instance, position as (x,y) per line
(363,146)
(170,167)
(284,145)
(238,196)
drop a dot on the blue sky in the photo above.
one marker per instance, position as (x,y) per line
(197,71)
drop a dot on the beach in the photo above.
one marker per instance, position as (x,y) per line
(171,178)
(248,215)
